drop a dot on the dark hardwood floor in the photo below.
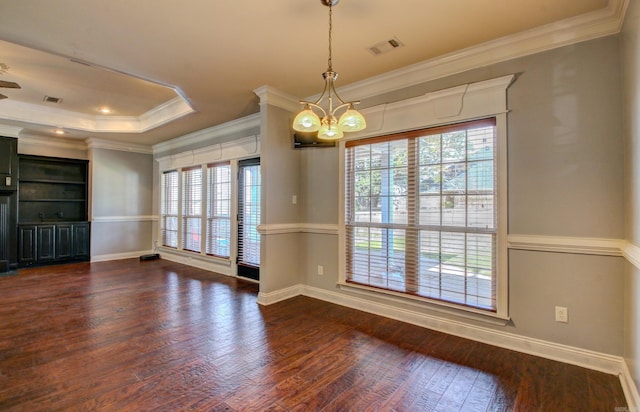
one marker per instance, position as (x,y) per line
(141,336)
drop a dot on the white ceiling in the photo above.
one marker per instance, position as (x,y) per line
(167,68)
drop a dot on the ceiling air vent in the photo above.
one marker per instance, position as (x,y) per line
(385,46)
(54,100)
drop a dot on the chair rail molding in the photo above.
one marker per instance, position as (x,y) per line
(564,244)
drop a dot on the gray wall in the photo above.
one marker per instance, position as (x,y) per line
(319,164)
(565,179)
(280,169)
(631,113)
(121,202)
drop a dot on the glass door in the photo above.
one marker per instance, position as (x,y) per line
(249,218)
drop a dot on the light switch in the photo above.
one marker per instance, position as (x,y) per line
(7,181)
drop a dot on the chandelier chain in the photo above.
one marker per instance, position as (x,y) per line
(332,125)
(329,60)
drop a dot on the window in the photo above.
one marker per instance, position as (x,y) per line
(249,184)
(421,214)
(169,209)
(191,208)
(218,209)
(196,209)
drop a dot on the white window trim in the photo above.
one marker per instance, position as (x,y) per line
(231,151)
(457,104)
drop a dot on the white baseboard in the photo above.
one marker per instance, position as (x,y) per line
(118,256)
(629,388)
(279,295)
(222,266)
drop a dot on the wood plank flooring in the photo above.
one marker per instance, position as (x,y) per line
(160,336)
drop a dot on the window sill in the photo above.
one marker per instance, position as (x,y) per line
(425,303)
(195,255)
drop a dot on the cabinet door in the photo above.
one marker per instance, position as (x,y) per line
(81,240)
(63,245)
(45,241)
(27,245)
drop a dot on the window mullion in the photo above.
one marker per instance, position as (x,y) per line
(466,215)
(204,181)
(412,233)
(180,209)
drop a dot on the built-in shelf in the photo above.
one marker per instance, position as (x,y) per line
(52,210)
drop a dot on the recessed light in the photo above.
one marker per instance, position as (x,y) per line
(59,131)
(104,110)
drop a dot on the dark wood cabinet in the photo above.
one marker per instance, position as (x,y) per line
(52,210)
(8,204)
(53,243)
(80,244)
(45,243)
(63,241)
(27,244)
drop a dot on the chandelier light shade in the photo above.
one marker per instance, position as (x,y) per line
(307,120)
(316,118)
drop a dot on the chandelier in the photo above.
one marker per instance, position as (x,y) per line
(329,127)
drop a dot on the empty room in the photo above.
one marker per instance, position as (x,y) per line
(320,205)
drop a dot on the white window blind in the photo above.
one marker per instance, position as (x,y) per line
(218,209)
(249,212)
(169,209)
(420,213)
(191,208)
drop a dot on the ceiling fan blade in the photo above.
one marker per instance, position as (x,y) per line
(2,96)
(9,85)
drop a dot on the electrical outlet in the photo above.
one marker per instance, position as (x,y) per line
(294,200)
(562,314)
(320,270)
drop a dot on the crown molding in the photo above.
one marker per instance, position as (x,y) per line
(95,143)
(243,125)
(218,152)
(588,26)
(46,116)
(58,143)
(9,131)
(272,96)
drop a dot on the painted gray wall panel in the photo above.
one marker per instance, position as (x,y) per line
(565,146)
(121,189)
(280,168)
(631,120)
(121,237)
(318,205)
(589,286)
(122,183)
(632,322)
